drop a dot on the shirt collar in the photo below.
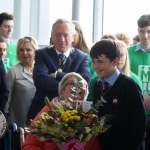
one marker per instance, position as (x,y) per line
(8,42)
(66,53)
(139,47)
(111,80)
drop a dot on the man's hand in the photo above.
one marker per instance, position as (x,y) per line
(52,75)
(147,102)
(82,93)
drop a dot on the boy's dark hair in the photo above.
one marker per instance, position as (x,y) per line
(106,47)
(5,16)
(144,21)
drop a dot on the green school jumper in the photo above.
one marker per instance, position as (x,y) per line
(11,56)
(140,65)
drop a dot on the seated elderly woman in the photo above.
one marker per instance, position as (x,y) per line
(65,92)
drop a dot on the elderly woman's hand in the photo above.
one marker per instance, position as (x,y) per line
(81,95)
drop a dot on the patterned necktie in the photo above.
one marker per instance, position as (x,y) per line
(105,86)
(62,60)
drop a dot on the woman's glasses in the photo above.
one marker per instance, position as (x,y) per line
(73,84)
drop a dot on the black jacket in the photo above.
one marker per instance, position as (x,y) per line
(3,87)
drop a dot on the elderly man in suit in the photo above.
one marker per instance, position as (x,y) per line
(52,63)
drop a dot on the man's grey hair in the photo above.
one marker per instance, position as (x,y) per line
(64,21)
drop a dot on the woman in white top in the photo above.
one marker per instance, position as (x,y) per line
(20,82)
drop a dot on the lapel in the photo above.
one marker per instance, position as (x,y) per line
(69,61)
(53,57)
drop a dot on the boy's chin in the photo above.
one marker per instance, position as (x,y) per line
(100,76)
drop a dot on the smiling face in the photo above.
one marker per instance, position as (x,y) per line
(6,28)
(3,47)
(62,36)
(104,67)
(26,54)
(123,58)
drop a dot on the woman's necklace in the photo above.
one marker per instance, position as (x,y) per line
(29,69)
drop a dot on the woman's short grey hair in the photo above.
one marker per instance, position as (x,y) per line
(62,83)
(64,21)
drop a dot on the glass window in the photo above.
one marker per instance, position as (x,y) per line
(63,9)
(122,16)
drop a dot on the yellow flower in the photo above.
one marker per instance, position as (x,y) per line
(74,117)
(74,111)
(71,118)
(62,113)
(68,114)
(66,120)
(66,125)
(65,116)
(78,118)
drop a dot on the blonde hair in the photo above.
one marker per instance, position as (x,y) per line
(24,40)
(62,83)
(123,37)
(126,69)
(109,36)
(82,45)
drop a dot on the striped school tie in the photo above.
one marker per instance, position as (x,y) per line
(62,58)
(105,86)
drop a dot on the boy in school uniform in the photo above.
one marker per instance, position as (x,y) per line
(124,101)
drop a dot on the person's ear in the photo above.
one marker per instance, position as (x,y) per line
(115,61)
(62,93)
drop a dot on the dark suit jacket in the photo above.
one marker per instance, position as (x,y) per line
(3,87)
(46,62)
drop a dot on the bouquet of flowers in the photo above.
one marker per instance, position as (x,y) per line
(64,125)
